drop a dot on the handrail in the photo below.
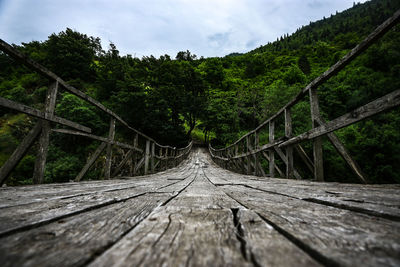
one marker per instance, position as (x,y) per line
(5,47)
(320,127)
(333,70)
(43,129)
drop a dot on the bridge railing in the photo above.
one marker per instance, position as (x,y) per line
(244,154)
(146,155)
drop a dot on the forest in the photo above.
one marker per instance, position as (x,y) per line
(177,98)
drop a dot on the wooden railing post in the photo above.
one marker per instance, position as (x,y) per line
(256,161)
(317,143)
(248,148)
(271,151)
(40,163)
(153,157)
(175,159)
(289,149)
(134,157)
(111,135)
(146,157)
(166,158)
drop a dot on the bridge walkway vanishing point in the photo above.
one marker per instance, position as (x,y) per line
(199,214)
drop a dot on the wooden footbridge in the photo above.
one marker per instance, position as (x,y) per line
(182,207)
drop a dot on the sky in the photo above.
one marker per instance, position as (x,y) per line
(156,27)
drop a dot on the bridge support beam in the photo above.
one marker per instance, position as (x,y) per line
(134,157)
(271,151)
(111,135)
(256,159)
(147,157)
(317,142)
(289,149)
(153,157)
(19,153)
(40,163)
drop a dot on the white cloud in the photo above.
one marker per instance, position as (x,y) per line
(205,27)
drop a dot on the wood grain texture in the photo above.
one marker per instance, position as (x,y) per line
(198,214)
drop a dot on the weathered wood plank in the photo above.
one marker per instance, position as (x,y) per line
(377,200)
(41,212)
(19,153)
(197,228)
(167,218)
(77,240)
(336,236)
(261,237)
(173,236)
(41,115)
(16,196)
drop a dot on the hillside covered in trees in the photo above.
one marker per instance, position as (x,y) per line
(173,99)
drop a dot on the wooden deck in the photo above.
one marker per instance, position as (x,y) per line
(200,215)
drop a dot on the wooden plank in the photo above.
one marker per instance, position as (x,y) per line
(271,152)
(335,236)
(317,142)
(22,195)
(260,237)
(377,200)
(41,115)
(50,209)
(111,135)
(176,234)
(40,162)
(19,153)
(77,240)
(375,107)
(90,162)
(289,149)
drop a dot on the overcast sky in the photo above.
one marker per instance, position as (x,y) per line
(156,27)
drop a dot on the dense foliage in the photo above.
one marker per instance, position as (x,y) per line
(174,99)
